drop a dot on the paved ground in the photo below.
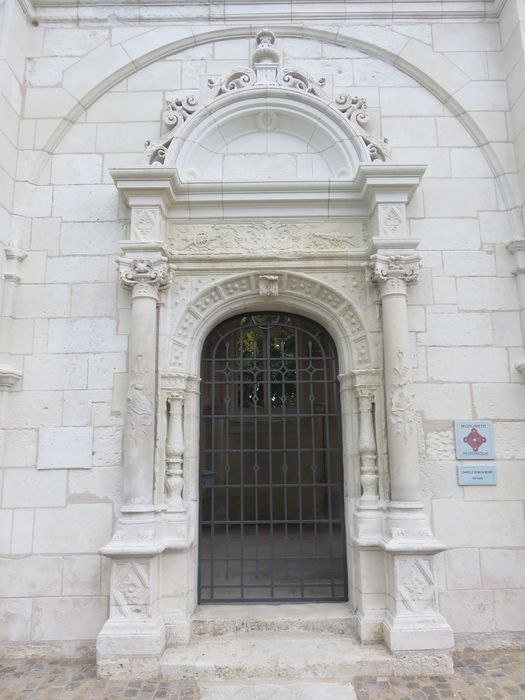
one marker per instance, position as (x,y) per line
(478,676)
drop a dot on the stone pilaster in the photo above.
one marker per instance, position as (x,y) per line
(517,248)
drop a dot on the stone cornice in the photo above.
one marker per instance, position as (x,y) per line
(374,183)
(268,10)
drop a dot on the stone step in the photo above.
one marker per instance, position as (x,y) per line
(313,690)
(322,618)
(299,656)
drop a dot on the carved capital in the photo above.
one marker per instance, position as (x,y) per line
(392,273)
(365,394)
(144,277)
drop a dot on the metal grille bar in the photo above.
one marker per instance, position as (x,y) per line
(271,478)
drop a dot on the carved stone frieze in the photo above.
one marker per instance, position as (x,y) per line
(263,237)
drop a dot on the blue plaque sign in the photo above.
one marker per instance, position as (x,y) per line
(482,475)
(474,439)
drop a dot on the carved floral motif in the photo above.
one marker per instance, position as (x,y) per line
(131,592)
(416,584)
(393,222)
(140,403)
(401,398)
(145,224)
(394,272)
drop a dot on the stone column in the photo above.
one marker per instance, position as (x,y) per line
(175,453)
(145,277)
(367,448)
(393,274)
(412,620)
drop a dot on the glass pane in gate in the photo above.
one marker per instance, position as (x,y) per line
(271,477)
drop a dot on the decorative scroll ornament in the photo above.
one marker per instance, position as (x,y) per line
(144,277)
(393,272)
(178,110)
(237,80)
(355,109)
(265,71)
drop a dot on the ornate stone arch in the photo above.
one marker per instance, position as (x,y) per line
(283,291)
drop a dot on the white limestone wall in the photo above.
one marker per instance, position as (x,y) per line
(512,31)
(88,107)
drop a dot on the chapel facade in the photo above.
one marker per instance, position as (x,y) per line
(263,286)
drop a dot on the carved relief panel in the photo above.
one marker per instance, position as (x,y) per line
(264,238)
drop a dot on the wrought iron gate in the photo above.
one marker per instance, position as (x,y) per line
(271,476)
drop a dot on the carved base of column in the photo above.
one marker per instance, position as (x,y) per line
(407,529)
(370,627)
(147,533)
(417,633)
(369,525)
(131,648)
(412,621)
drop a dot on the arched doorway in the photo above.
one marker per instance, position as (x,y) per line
(271,468)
